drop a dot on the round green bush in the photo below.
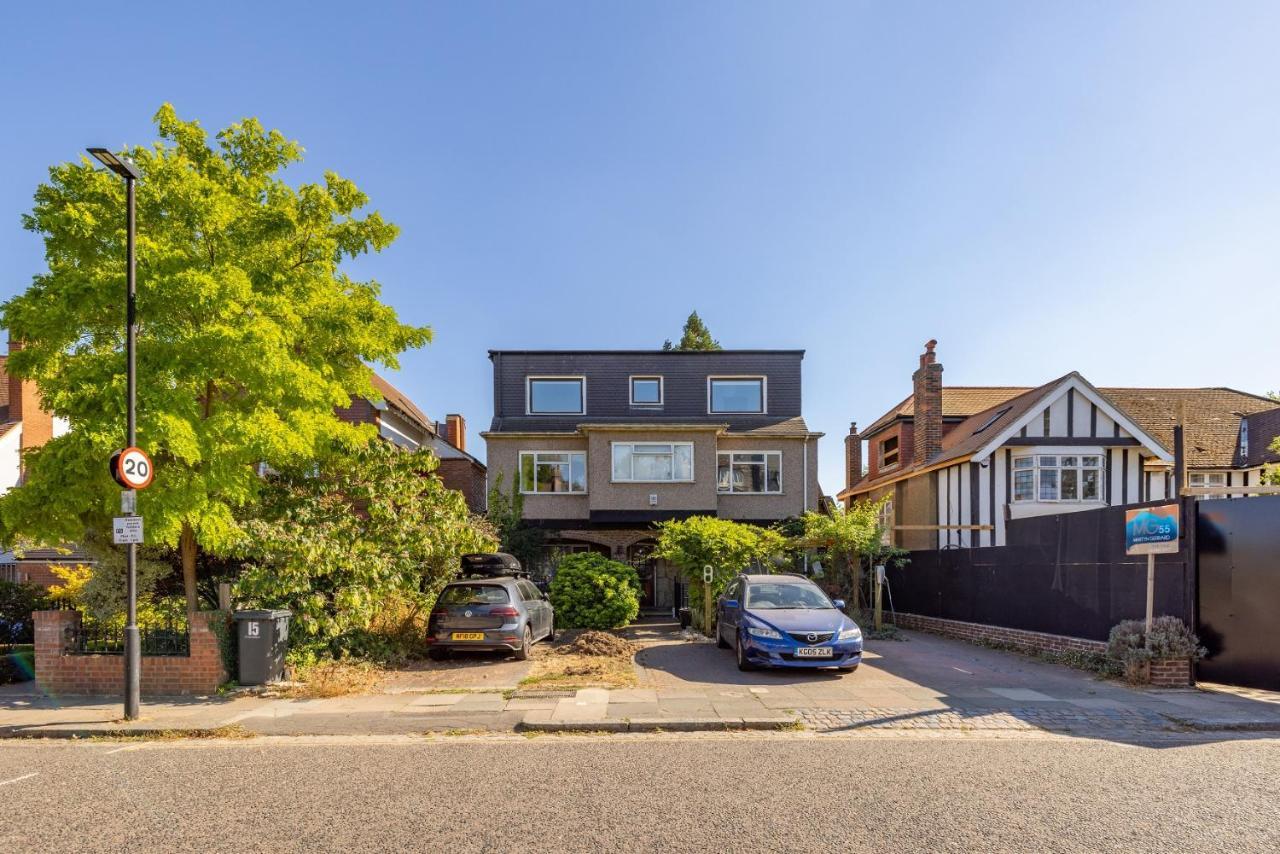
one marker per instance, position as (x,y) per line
(589,591)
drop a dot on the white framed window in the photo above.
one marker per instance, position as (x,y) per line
(555,395)
(652,462)
(737,395)
(885,521)
(553,471)
(749,472)
(1207,479)
(1058,477)
(1244,438)
(889,455)
(646,391)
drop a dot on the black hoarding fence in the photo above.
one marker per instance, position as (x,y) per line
(1065,574)
(1238,541)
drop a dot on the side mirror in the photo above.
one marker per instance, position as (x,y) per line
(731,603)
(839,603)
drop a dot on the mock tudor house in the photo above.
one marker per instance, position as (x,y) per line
(400,421)
(603,444)
(953,458)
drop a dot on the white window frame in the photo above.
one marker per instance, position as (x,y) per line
(1244,439)
(764,394)
(528,394)
(885,520)
(631,389)
(743,452)
(613,478)
(1035,468)
(1201,480)
(535,454)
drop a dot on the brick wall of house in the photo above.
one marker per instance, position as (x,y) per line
(466,477)
(201,672)
(360,411)
(978,632)
(38,573)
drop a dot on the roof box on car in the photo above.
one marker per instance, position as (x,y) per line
(490,565)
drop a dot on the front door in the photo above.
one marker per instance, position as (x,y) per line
(640,556)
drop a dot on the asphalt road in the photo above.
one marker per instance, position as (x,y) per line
(659,793)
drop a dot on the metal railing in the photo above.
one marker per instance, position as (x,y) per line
(105,640)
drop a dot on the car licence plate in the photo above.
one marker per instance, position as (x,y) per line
(813,652)
(467,636)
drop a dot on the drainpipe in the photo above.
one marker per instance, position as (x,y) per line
(805,499)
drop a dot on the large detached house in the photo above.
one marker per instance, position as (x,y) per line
(400,422)
(954,459)
(603,444)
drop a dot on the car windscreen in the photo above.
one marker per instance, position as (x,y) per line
(772,596)
(457,595)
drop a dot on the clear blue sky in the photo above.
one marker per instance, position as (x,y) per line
(1041,187)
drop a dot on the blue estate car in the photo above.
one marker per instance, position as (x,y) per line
(785,621)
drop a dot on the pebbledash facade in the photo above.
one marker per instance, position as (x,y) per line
(603,444)
(956,457)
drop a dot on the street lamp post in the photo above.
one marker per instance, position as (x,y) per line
(132,641)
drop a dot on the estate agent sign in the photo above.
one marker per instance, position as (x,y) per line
(1151,530)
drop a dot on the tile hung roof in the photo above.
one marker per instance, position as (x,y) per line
(737,425)
(1264,429)
(957,402)
(1212,421)
(394,397)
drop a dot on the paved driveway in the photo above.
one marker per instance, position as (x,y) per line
(926,681)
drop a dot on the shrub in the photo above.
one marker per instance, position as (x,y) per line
(1133,646)
(590,591)
(17,601)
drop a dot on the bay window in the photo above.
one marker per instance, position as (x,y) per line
(749,471)
(1058,477)
(553,471)
(669,462)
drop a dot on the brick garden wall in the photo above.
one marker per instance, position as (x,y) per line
(977,632)
(57,672)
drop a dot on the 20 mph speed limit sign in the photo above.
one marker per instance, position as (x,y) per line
(132,468)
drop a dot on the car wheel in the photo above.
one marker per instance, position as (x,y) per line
(438,653)
(743,663)
(720,641)
(526,643)
(551,632)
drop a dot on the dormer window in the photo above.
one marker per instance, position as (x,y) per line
(736,395)
(889,452)
(1244,439)
(646,391)
(556,395)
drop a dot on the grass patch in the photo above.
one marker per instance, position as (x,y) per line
(233,731)
(790,726)
(332,679)
(591,660)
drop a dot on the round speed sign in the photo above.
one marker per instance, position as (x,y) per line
(133,469)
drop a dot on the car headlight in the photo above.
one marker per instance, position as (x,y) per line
(761,632)
(854,633)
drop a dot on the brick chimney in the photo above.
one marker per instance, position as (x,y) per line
(456,431)
(24,406)
(927,404)
(852,456)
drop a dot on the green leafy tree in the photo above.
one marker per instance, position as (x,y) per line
(590,591)
(515,537)
(849,536)
(726,546)
(250,333)
(696,336)
(337,543)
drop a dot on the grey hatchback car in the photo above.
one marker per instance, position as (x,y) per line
(490,614)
